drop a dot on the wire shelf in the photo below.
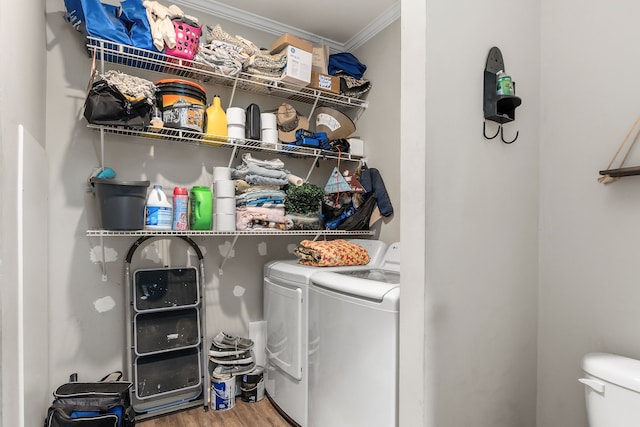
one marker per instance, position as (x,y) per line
(196,138)
(194,233)
(154,61)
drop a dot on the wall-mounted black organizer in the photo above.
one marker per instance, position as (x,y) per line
(497,107)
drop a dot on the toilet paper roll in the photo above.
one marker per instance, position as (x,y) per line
(224,188)
(295,180)
(269,138)
(235,131)
(224,205)
(268,121)
(224,222)
(236,116)
(221,173)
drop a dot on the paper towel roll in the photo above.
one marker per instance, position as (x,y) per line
(224,188)
(221,173)
(236,116)
(295,180)
(268,121)
(235,131)
(269,138)
(224,205)
(224,222)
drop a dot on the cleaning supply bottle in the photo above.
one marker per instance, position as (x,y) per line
(505,84)
(201,205)
(180,209)
(216,121)
(159,212)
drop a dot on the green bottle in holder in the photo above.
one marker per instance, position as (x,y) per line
(201,206)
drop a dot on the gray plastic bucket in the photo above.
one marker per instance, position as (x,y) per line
(121,203)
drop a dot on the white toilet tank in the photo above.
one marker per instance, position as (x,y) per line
(612,390)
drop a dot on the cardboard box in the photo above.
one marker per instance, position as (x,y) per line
(324,82)
(298,68)
(290,40)
(320,59)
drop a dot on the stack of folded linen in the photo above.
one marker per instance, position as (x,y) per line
(231,354)
(259,195)
(238,50)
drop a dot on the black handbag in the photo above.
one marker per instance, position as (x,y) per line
(106,105)
(93,404)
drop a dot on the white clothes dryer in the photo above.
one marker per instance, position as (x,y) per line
(286,304)
(353,345)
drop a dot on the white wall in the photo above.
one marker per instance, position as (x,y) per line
(23,215)
(481,201)
(380,122)
(84,338)
(589,289)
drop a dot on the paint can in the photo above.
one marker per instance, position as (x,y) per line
(182,104)
(252,385)
(223,392)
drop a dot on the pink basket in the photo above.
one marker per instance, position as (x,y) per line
(187,40)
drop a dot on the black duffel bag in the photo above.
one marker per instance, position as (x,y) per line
(93,404)
(106,105)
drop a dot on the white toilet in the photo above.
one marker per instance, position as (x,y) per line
(612,390)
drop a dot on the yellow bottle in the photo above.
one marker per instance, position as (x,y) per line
(216,122)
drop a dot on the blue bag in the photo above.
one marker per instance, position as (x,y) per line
(126,24)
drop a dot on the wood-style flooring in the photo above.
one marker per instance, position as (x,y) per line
(243,414)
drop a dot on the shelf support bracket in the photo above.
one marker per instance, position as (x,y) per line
(315,103)
(104,260)
(228,254)
(233,91)
(233,154)
(102,149)
(315,161)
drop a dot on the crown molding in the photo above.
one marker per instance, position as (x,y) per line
(269,26)
(385,19)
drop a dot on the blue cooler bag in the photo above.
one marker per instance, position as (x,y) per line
(96,404)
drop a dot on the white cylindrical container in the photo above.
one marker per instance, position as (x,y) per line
(236,116)
(235,132)
(224,222)
(159,211)
(224,188)
(224,205)
(269,138)
(221,173)
(268,121)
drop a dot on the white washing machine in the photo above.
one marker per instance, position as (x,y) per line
(353,345)
(286,304)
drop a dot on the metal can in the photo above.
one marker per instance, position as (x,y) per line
(505,84)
